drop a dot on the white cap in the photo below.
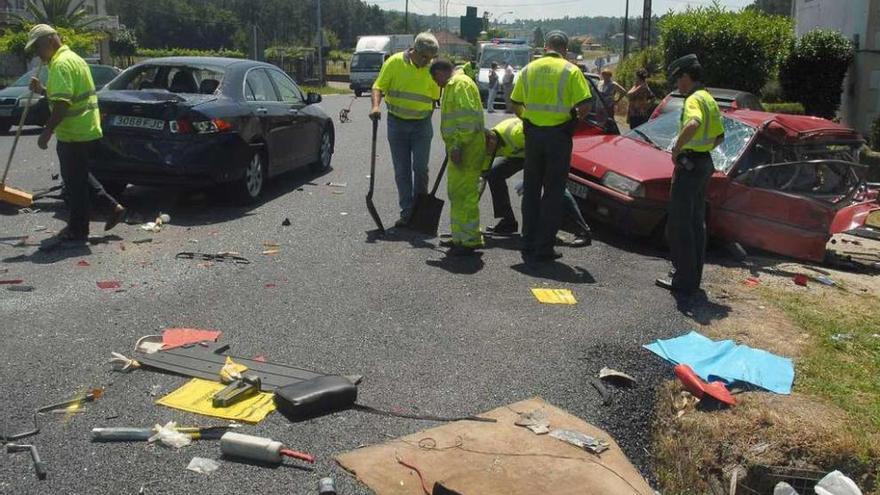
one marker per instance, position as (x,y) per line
(37,32)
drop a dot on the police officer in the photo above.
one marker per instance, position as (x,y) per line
(76,123)
(410,93)
(506,141)
(546,95)
(701,129)
(461,125)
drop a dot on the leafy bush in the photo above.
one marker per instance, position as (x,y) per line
(738,50)
(781,107)
(83,43)
(875,135)
(187,52)
(287,52)
(772,92)
(813,71)
(650,58)
(123,43)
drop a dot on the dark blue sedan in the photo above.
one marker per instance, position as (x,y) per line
(204,121)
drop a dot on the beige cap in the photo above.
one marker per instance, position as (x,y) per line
(426,44)
(37,32)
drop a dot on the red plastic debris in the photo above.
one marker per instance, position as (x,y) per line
(11,282)
(83,263)
(261,358)
(695,385)
(271,286)
(801,280)
(751,281)
(176,337)
(109,284)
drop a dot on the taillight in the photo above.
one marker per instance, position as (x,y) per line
(186,126)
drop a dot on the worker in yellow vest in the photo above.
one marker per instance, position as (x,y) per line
(75,121)
(471,70)
(410,94)
(701,129)
(461,125)
(549,95)
(506,142)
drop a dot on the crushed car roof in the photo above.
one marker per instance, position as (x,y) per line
(794,127)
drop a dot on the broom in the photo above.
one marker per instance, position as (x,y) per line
(9,194)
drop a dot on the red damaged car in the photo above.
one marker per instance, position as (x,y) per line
(783,183)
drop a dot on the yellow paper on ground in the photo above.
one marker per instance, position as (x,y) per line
(554,296)
(196,395)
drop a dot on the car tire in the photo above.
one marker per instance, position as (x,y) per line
(358,93)
(325,153)
(250,187)
(5,125)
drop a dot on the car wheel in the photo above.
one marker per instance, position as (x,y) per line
(249,188)
(358,93)
(325,155)
(5,125)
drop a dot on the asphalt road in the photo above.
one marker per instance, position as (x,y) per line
(448,337)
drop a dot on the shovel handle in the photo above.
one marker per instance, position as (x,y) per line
(27,106)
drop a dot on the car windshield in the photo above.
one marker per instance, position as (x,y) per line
(366,62)
(662,131)
(516,57)
(26,78)
(101,75)
(174,78)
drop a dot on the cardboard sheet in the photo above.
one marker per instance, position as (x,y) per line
(497,458)
(554,296)
(195,397)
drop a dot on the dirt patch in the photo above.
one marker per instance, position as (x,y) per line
(769,438)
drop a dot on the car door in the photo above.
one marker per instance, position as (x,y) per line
(276,123)
(307,125)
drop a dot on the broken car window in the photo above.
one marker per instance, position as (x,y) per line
(177,79)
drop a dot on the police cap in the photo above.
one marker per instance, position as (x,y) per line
(556,38)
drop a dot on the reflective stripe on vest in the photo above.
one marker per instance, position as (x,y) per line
(406,112)
(80,111)
(406,95)
(560,108)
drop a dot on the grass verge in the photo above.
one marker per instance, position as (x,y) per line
(327,90)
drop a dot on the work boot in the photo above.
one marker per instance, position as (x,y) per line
(401,223)
(446,243)
(116,216)
(459,250)
(581,240)
(505,226)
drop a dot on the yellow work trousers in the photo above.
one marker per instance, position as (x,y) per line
(464,194)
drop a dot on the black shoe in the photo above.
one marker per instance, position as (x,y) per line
(549,256)
(115,217)
(458,250)
(582,240)
(667,284)
(401,223)
(505,226)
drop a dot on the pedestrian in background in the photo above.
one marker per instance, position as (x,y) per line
(610,91)
(410,92)
(700,131)
(493,87)
(641,99)
(549,95)
(507,86)
(76,123)
(461,125)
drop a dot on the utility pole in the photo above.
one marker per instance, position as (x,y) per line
(406,18)
(255,43)
(625,31)
(320,47)
(645,37)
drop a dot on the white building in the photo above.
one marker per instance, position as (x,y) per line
(858,20)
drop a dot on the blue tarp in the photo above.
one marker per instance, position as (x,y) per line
(726,361)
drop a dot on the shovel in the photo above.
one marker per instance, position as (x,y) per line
(9,194)
(428,207)
(370,206)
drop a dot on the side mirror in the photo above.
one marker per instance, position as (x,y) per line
(313,98)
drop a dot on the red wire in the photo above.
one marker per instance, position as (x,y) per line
(421,478)
(297,455)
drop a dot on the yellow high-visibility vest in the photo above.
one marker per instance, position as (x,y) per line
(513,138)
(461,111)
(549,88)
(700,106)
(410,91)
(70,81)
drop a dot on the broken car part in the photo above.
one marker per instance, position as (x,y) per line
(616,377)
(259,449)
(39,465)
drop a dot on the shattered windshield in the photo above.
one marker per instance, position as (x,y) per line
(663,130)
(517,57)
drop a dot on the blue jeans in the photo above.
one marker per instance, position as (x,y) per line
(490,100)
(410,142)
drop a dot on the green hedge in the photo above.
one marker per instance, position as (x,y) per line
(789,108)
(187,52)
(738,50)
(650,58)
(875,135)
(813,71)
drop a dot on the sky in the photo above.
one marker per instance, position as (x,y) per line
(538,9)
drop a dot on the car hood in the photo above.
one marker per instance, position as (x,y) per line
(593,156)
(13,92)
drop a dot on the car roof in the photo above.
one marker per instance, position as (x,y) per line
(727,94)
(216,61)
(793,127)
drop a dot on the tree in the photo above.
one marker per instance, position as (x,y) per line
(84,43)
(772,7)
(814,70)
(58,13)
(538,37)
(738,50)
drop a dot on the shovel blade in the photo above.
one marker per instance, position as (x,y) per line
(15,197)
(426,214)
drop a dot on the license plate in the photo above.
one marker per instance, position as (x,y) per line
(5,112)
(138,122)
(578,190)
